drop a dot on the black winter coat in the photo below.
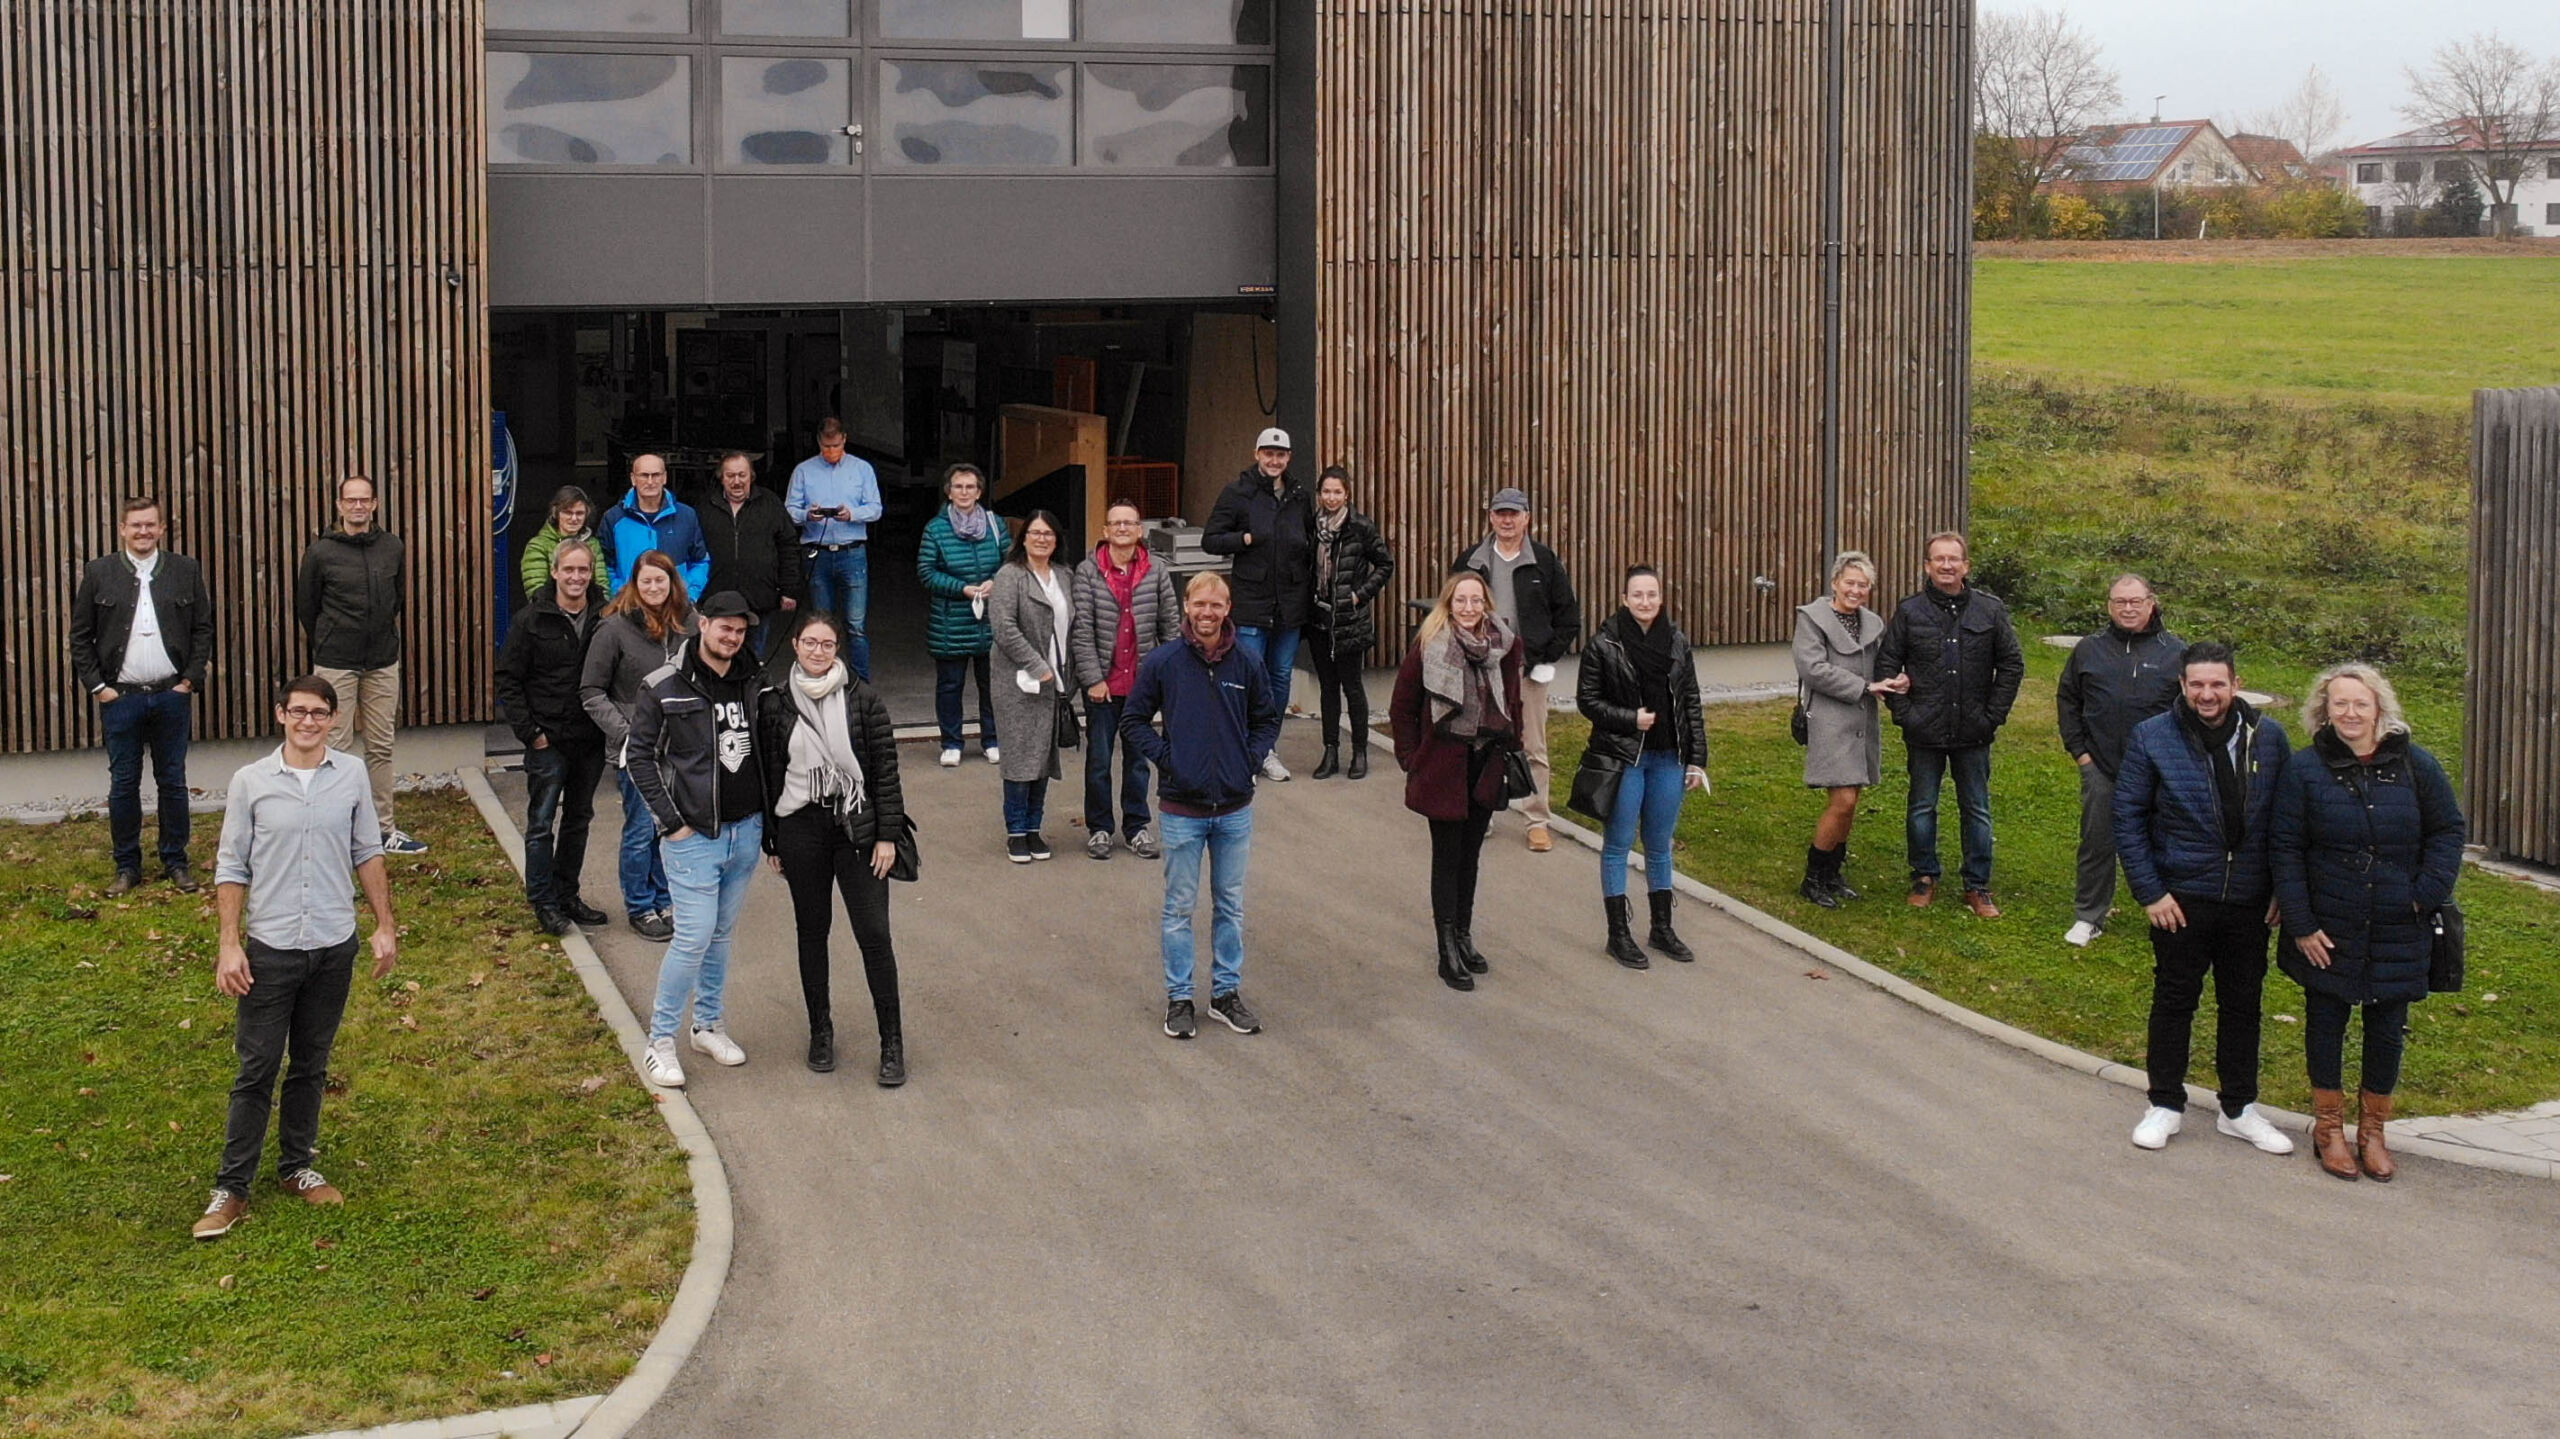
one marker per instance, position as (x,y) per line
(1345,611)
(672,756)
(1550,612)
(1964,668)
(348,596)
(2168,812)
(1609,693)
(755,551)
(875,742)
(2364,853)
(102,618)
(2112,682)
(1273,579)
(539,669)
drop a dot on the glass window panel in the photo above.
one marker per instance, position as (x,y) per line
(960,112)
(600,17)
(786,17)
(1179,22)
(784,111)
(1179,115)
(975,19)
(554,109)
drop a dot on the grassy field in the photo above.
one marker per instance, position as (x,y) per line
(517,1215)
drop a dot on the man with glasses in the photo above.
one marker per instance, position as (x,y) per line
(1125,608)
(648,518)
(349,596)
(2115,679)
(141,632)
(298,838)
(833,498)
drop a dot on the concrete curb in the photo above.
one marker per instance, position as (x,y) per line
(2046,1049)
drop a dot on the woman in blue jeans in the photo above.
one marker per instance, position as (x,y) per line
(1640,693)
(644,630)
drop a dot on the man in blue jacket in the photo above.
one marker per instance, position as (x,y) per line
(2194,800)
(651,519)
(1219,724)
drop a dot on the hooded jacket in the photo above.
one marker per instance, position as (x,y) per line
(1964,662)
(1273,578)
(2168,811)
(348,596)
(1219,723)
(674,751)
(540,667)
(2114,680)
(2364,853)
(628,532)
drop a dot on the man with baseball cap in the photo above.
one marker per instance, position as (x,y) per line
(1534,596)
(1267,521)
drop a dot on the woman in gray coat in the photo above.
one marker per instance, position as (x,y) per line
(1032,610)
(1835,652)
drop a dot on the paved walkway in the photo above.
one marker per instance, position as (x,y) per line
(1738,1197)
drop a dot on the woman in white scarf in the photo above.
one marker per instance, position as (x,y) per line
(833,816)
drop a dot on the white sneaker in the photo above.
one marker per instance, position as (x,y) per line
(2080,934)
(2156,1127)
(951,758)
(660,1063)
(995,754)
(2253,1127)
(1273,769)
(718,1044)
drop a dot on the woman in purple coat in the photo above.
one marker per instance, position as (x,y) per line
(1456,712)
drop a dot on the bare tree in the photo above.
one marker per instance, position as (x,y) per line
(2495,103)
(2311,117)
(2039,83)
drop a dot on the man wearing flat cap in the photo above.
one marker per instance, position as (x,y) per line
(1534,596)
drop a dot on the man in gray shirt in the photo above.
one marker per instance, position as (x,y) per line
(298,834)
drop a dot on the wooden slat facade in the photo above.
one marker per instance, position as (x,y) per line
(2511,740)
(245,253)
(1577,245)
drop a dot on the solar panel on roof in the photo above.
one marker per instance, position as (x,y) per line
(2136,153)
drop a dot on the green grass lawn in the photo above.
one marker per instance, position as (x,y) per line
(514,1202)
(2376,329)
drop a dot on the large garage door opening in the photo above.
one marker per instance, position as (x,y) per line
(1064,408)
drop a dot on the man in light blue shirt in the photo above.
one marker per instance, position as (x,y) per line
(834,497)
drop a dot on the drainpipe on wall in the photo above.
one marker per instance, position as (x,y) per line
(1834,222)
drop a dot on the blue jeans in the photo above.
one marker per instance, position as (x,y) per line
(1649,795)
(158,722)
(1277,652)
(1973,799)
(840,584)
(950,686)
(560,802)
(1101,735)
(1228,842)
(709,874)
(644,871)
(1026,805)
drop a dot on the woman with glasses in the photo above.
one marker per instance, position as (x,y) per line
(962,547)
(1032,612)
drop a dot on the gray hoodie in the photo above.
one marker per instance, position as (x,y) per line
(619,660)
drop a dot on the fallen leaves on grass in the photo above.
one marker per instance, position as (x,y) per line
(592,1083)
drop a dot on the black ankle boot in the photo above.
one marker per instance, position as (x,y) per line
(1839,884)
(1330,765)
(1453,964)
(822,1045)
(1622,934)
(1817,879)
(1359,766)
(1664,941)
(893,1061)
(1468,954)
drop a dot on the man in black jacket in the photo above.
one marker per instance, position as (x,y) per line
(755,549)
(141,632)
(538,674)
(1532,594)
(1267,520)
(1962,654)
(348,597)
(2115,679)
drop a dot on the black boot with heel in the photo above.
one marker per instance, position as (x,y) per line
(1666,941)
(1622,934)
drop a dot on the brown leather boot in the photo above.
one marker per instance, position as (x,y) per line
(2373,1111)
(2328,1132)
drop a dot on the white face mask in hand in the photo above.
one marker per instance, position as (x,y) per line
(1023,681)
(1542,674)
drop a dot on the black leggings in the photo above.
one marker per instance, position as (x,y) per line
(2324,1041)
(1457,847)
(814,854)
(1337,685)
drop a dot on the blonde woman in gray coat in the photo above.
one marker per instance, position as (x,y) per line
(1032,610)
(1835,652)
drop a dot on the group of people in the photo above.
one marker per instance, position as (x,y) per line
(2345,852)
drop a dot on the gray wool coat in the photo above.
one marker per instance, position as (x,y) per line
(1025,626)
(1844,742)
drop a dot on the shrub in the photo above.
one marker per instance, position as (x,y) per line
(2069,217)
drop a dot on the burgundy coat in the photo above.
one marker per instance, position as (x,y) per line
(1435,766)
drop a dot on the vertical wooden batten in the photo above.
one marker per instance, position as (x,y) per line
(245,248)
(2511,739)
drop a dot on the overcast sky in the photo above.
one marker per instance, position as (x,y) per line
(2221,59)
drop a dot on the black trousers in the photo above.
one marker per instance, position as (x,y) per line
(1457,849)
(816,857)
(296,998)
(2324,1040)
(560,806)
(2229,942)
(1338,686)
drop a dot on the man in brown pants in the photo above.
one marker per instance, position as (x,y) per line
(348,597)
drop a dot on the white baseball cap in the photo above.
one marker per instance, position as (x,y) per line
(1273,439)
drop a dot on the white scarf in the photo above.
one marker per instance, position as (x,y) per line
(824,769)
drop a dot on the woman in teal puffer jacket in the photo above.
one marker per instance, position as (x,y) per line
(963,546)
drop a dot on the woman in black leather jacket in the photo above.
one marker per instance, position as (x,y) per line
(1353,564)
(1640,692)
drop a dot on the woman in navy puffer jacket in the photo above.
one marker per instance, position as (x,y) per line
(2366,843)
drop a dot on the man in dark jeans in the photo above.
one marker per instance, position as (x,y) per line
(755,550)
(1125,608)
(1962,654)
(298,835)
(141,632)
(2193,805)
(564,752)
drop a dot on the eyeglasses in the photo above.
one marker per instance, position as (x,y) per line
(2136,602)
(303,714)
(815,644)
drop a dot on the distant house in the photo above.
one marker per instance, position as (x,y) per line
(2163,154)
(2273,159)
(2399,175)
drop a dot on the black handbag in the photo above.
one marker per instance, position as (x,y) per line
(1517,781)
(1595,787)
(1800,724)
(2444,955)
(1069,734)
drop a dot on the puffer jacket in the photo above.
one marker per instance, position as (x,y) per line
(875,743)
(2113,681)
(948,565)
(1274,577)
(535,568)
(1964,664)
(1608,693)
(1345,611)
(2168,811)
(621,656)
(540,669)
(1157,613)
(348,596)
(2364,853)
